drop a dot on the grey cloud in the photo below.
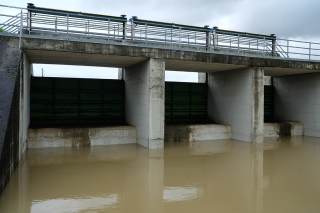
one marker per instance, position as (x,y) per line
(289,18)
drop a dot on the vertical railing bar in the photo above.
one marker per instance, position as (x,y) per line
(264,45)
(146,32)
(238,43)
(108,28)
(68,23)
(309,51)
(165,36)
(88,28)
(287,48)
(21,27)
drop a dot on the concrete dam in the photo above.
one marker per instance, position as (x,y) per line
(250,86)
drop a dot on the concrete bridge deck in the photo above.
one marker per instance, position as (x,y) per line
(56,50)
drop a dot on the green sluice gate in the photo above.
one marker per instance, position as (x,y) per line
(76,102)
(186,103)
(268,103)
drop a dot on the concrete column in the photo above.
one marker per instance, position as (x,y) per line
(235,98)
(24,120)
(202,77)
(297,98)
(120,73)
(144,85)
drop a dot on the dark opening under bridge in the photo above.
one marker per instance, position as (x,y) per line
(235,64)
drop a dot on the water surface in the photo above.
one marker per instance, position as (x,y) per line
(225,177)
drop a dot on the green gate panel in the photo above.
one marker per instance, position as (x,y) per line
(76,102)
(268,103)
(186,103)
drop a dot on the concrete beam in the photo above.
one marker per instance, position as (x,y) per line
(124,54)
(297,98)
(235,98)
(144,86)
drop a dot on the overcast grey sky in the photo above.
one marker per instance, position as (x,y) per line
(285,18)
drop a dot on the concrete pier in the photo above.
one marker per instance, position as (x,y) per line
(236,99)
(144,85)
(297,98)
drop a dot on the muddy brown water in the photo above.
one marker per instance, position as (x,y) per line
(225,177)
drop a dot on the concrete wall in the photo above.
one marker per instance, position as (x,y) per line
(235,98)
(80,137)
(297,98)
(275,130)
(144,86)
(25,79)
(196,133)
(10,57)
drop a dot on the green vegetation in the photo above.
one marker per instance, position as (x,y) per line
(1,30)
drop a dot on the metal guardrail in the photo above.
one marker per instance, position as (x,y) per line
(36,20)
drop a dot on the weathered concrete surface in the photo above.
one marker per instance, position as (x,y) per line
(202,77)
(283,129)
(235,98)
(80,137)
(297,98)
(25,79)
(123,54)
(271,130)
(144,86)
(10,56)
(196,132)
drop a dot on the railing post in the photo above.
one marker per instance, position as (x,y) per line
(207,37)
(133,26)
(124,27)
(215,37)
(287,48)
(29,16)
(274,43)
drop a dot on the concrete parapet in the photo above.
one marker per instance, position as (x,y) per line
(200,132)
(78,137)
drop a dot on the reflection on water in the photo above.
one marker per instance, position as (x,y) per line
(180,193)
(70,205)
(280,175)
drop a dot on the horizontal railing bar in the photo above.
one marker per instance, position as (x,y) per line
(42,10)
(12,7)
